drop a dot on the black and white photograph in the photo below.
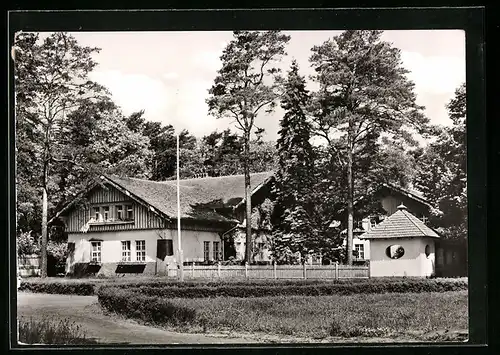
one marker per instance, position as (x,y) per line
(240,187)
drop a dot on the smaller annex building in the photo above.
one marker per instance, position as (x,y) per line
(401,245)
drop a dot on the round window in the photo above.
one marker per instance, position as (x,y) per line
(427,250)
(394,251)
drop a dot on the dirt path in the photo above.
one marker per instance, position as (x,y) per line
(85,311)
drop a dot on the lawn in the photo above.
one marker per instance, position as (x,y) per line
(415,315)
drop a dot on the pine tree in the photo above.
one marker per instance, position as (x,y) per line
(294,177)
(247,84)
(363,92)
(442,175)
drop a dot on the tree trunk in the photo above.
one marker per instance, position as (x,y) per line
(43,248)
(248,200)
(350,207)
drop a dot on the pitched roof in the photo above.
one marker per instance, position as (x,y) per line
(401,224)
(199,197)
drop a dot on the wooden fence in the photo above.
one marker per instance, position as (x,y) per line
(28,265)
(282,272)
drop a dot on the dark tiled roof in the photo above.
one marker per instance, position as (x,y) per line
(198,197)
(401,224)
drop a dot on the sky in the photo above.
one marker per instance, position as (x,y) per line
(168,74)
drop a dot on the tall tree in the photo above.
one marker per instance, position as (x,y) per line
(246,83)
(363,93)
(162,143)
(295,173)
(51,78)
(442,175)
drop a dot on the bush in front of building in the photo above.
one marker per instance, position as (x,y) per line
(312,289)
(58,287)
(237,288)
(150,309)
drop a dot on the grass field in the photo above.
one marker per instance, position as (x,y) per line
(51,331)
(373,315)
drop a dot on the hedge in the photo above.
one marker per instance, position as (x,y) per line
(82,288)
(250,288)
(344,288)
(150,309)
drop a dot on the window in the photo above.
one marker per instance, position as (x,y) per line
(130,213)
(105,213)
(97,213)
(119,212)
(373,222)
(394,251)
(140,250)
(126,250)
(164,247)
(96,252)
(216,251)
(427,250)
(206,251)
(360,249)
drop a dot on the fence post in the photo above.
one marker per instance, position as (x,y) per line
(246,270)
(274,270)
(369,270)
(192,270)
(336,270)
(304,268)
(218,269)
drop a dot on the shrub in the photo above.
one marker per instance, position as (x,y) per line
(54,287)
(49,331)
(27,244)
(245,288)
(322,289)
(146,308)
(59,251)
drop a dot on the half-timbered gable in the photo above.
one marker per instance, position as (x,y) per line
(105,208)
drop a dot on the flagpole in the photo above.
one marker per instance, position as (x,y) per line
(179,251)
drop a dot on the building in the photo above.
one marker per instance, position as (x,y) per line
(389,197)
(127,225)
(402,245)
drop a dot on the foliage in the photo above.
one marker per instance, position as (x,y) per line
(363,92)
(311,289)
(163,143)
(68,130)
(51,331)
(27,244)
(219,154)
(293,230)
(84,288)
(59,251)
(247,82)
(443,172)
(156,310)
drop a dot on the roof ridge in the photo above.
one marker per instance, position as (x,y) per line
(188,179)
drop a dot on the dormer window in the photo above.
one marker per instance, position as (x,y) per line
(130,213)
(97,214)
(105,213)
(119,213)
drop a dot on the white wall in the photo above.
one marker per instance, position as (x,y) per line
(428,262)
(365,242)
(413,263)
(111,248)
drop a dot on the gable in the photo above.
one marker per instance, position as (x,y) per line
(391,199)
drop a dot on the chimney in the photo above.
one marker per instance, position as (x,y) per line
(365,224)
